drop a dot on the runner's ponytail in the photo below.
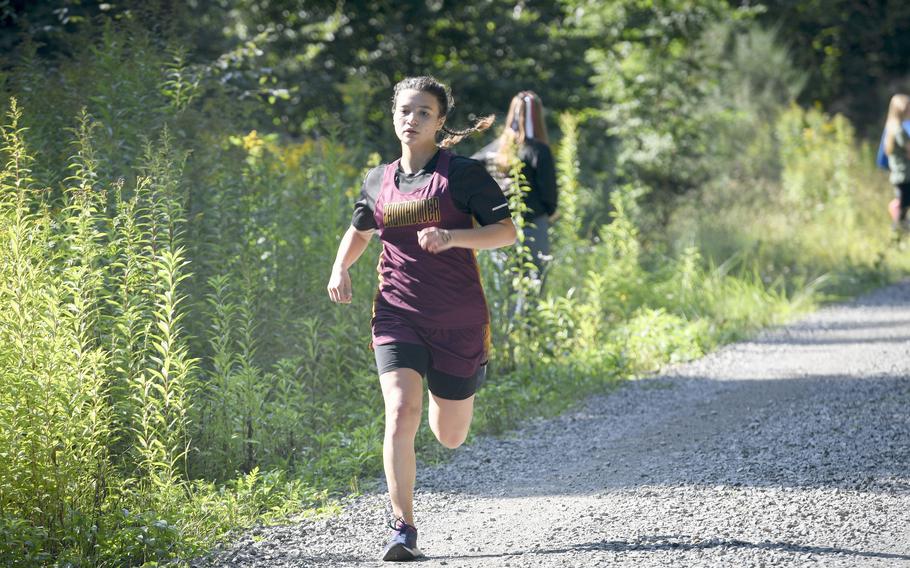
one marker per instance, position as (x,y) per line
(453,137)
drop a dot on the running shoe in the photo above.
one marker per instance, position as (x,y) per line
(403,545)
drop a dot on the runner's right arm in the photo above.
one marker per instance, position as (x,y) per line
(356,238)
(352,245)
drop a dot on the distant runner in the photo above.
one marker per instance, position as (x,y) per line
(897,149)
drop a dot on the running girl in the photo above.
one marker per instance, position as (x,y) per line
(430,316)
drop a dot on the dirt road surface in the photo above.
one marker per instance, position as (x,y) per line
(790,449)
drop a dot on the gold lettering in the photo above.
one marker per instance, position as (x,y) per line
(419,212)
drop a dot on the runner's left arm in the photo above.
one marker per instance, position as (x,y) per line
(474,192)
(499,234)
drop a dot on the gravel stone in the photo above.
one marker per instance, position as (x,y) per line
(789,449)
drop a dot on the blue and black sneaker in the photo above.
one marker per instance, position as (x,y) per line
(403,545)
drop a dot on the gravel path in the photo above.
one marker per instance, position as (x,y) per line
(792,449)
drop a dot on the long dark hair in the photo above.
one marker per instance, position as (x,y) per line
(443,95)
(524,121)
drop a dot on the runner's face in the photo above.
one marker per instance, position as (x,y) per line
(417,118)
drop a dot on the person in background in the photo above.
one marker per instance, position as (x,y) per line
(431,210)
(525,134)
(897,149)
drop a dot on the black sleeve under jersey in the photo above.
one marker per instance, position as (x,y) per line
(363,219)
(475,192)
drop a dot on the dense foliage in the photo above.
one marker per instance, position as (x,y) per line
(854,53)
(173,189)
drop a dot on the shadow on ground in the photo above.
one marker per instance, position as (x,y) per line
(677,543)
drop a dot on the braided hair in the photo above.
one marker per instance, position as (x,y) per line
(443,95)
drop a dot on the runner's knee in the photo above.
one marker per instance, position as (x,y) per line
(402,418)
(450,439)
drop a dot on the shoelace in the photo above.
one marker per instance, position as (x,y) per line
(398,524)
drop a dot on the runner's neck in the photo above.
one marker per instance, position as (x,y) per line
(414,159)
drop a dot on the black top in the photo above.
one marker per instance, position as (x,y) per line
(539,169)
(473,191)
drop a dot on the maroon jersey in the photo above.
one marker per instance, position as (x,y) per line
(440,290)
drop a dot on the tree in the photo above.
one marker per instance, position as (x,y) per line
(652,81)
(855,52)
(320,59)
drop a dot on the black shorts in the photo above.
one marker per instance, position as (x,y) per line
(399,355)
(902,192)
